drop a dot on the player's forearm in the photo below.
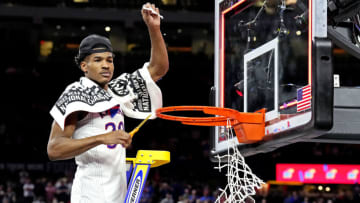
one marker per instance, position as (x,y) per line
(61,148)
(159,57)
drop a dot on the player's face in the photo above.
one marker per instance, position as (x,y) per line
(99,67)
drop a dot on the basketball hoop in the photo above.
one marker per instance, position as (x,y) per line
(248,127)
(241,181)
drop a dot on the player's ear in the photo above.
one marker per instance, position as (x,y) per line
(83,66)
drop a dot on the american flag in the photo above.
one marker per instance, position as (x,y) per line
(304,98)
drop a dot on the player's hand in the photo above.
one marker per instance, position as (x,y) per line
(118,137)
(151,20)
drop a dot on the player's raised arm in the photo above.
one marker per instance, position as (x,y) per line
(159,63)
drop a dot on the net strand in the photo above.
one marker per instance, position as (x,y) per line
(241,181)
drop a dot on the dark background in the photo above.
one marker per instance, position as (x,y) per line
(31,83)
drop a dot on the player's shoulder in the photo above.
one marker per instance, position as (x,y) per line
(73,85)
(80,85)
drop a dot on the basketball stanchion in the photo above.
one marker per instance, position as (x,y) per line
(138,169)
(248,127)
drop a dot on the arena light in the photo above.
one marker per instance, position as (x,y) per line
(46,47)
(72,45)
(179,49)
(81,1)
(168,2)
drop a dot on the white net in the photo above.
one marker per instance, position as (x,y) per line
(241,182)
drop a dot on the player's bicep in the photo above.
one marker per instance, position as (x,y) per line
(69,127)
(60,139)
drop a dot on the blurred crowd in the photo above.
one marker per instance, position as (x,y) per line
(26,187)
(30,188)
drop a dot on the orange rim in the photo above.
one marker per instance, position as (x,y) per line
(248,127)
(223,115)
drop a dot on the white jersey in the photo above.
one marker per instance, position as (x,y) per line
(101,171)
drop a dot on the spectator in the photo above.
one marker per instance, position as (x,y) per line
(2,192)
(186,194)
(164,189)
(5,200)
(28,189)
(183,200)
(292,198)
(147,193)
(168,199)
(356,193)
(23,175)
(62,191)
(10,195)
(39,190)
(206,197)
(50,192)
(193,196)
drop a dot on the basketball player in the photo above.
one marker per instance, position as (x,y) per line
(89,115)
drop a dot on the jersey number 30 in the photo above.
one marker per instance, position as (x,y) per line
(113,126)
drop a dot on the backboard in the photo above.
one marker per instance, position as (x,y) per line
(273,54)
